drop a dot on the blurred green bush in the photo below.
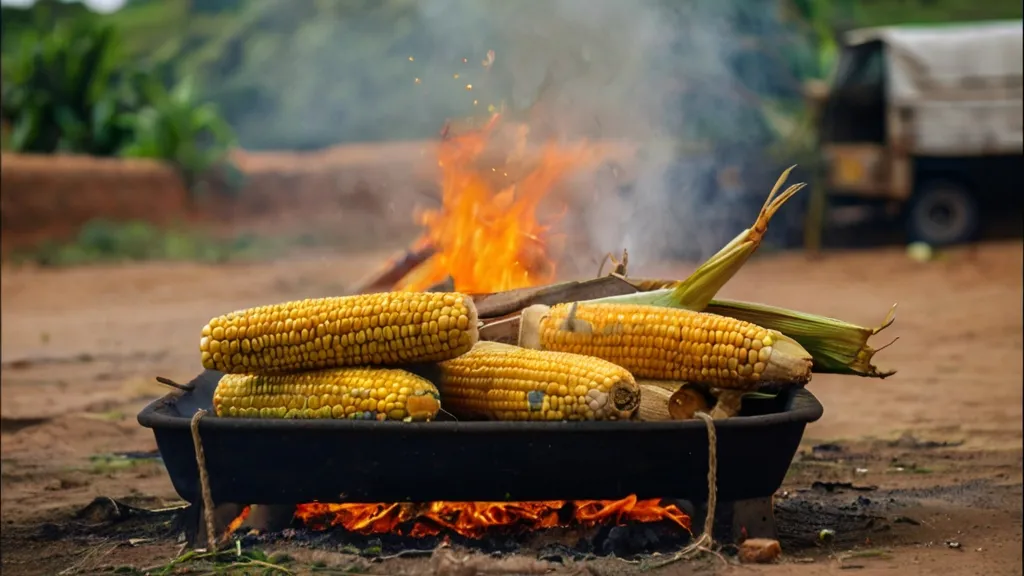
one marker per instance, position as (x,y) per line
(311,74)
(61,92)
(70,89)
(101,241)
(174,126)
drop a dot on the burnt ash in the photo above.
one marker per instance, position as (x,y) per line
(851,515)
(848,521)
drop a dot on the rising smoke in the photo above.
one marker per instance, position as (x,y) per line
(650,72)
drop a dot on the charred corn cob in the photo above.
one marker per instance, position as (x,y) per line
(388,328)
(355,393)
(503,382)
(669,344)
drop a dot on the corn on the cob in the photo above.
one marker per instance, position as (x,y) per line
(389,328)
(669,344)
(354,393)
(503,382)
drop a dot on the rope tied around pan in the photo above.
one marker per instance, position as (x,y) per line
(204,481)
(706,541)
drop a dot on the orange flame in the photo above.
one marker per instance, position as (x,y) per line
(486,234)
(237,522)
(475,519)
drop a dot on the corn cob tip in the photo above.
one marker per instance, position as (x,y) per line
(625,398)
(790,362)
(423,407)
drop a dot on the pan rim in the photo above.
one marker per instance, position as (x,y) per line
(801,407)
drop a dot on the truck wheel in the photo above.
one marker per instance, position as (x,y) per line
(942,212)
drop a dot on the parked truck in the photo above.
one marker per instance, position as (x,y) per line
(927,122)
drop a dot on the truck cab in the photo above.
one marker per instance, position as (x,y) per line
(926,121)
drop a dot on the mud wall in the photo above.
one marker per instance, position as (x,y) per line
(50,197)
(361,194)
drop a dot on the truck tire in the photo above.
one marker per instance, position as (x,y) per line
(941,213)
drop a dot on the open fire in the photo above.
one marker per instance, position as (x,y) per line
(474,520)
(487,235)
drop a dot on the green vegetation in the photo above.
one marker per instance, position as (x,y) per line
(100,241)
(232,561)
(173,126)
(305,75)
(68,87)
(61,93)
(185,80)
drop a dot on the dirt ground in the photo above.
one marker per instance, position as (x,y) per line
(935,452)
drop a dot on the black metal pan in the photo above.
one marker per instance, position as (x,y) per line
(254,461)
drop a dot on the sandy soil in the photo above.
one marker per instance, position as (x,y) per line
(80,348)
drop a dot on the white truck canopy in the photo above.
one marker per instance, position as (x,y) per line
(962,82)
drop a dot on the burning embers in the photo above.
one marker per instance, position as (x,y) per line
(476,519)
(621,526)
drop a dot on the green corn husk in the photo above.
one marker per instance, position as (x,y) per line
(836,347)
(705,282)
(696,292)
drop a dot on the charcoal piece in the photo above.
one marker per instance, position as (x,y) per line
(627,541)
(559,553)
(585,545)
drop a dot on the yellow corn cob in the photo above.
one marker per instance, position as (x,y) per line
(503,382)
(355,393)
(389,328)
(669,344)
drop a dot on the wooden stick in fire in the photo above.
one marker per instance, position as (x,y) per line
(396,268)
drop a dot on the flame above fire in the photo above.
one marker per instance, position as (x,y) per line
(474,519)
(486,234)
